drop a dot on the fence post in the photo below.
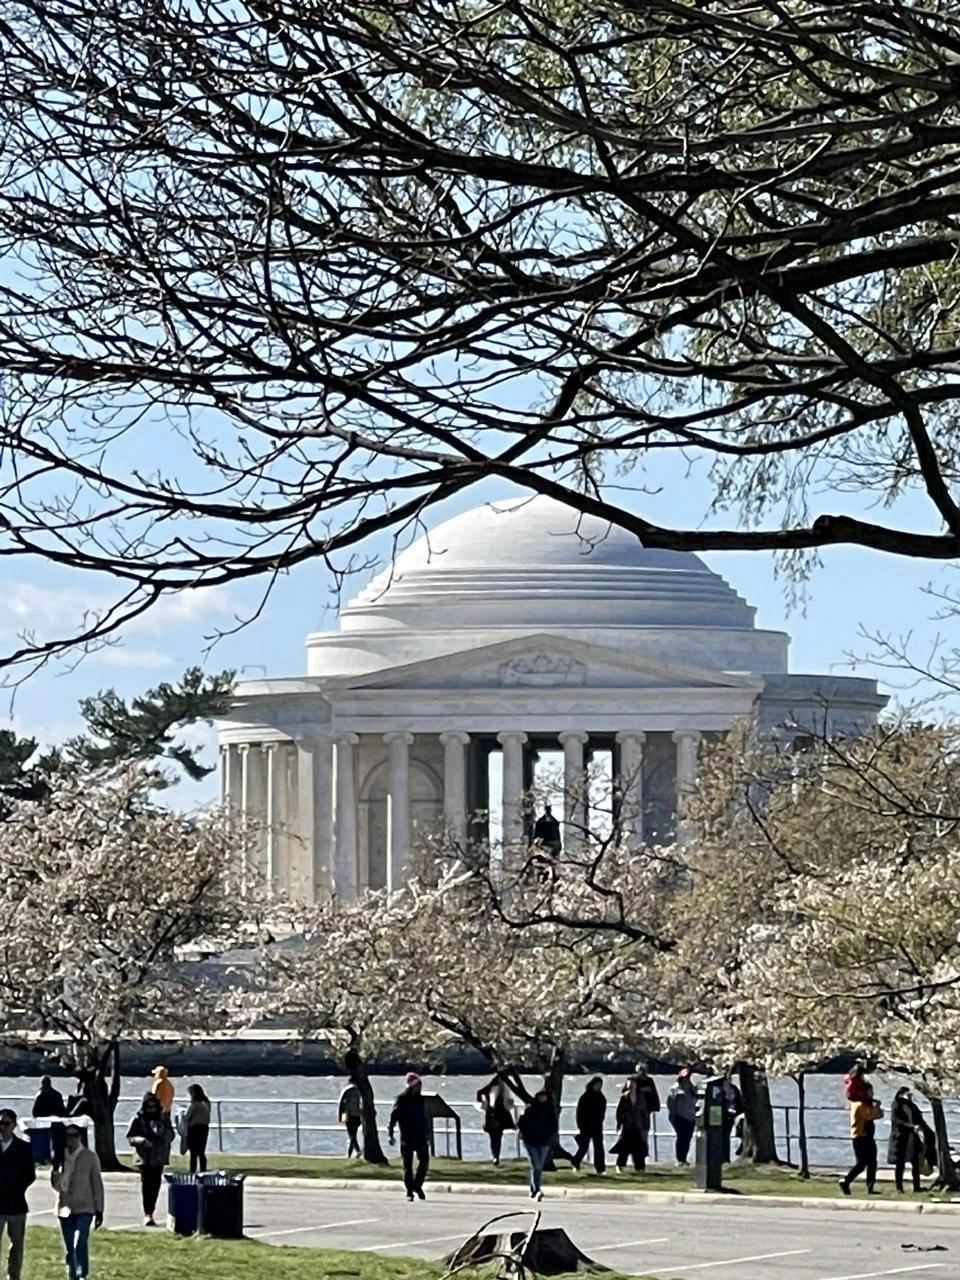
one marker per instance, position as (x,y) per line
(653,1130)
(219,1127)
(296,1123)
(786,1126)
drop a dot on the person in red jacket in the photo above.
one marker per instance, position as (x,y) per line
(856,1087)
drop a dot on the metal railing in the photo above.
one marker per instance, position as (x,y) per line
(227,1119)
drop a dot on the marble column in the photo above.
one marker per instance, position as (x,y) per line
(687,741)
(630,784)
(398,809)
(308,871)
(231,781)
(269,750)
(575,791)
(454,744)
(251,814)
(345,819)
(512,742)
(231,789)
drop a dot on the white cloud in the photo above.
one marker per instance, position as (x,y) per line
(54,613)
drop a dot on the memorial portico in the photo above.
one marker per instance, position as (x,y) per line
(513,630)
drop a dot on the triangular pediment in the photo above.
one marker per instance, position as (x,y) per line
(543,661)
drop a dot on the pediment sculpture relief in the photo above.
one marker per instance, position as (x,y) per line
(542,669)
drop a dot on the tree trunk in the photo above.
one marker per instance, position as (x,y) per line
(101,1100)
(801,1079)
(948,1175)
(759,1140)
(357,1072)
(553,1080)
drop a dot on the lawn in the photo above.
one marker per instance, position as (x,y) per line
(160,1256)
(745,1179)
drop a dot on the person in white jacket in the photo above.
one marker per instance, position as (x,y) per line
(79,1189)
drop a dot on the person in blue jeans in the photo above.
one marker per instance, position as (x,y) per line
(79,1189)
(538,1130)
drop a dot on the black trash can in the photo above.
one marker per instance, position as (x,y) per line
(221,1205)
(183,1203)
(40,1147)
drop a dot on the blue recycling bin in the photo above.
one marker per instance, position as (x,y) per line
(183,1203)
(221,1205)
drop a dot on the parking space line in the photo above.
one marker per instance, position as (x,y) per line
(630,1244)
(408,1244)
(323,1226)
(894,1271)
(731,1262)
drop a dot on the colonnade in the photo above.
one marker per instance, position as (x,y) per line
(302,798)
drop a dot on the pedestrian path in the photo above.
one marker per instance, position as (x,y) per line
(731,1236)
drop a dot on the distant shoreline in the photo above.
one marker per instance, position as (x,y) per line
(280,1056)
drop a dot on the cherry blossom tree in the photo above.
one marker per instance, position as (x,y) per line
(438,964)
(350,974)
(104,896)
(849,865)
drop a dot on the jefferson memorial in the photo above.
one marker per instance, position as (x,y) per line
(512,631)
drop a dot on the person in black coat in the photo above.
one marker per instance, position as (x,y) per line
(497,1116)
(409,1115)
(538,1128)
(732,1103)
(48,1102)
(49,1105)
(17,1172)
(591,1112)
(633,1125)
(908,1138)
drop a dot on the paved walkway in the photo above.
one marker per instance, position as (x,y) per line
(735,1240)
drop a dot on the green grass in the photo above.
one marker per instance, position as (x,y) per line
(160,1256)
(745,1179)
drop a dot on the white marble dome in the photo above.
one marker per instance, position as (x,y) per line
(537,562)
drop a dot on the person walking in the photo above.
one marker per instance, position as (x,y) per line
(351,1117)
(908,1138)
(163,1088)
(49,1103)
(538,1128)
(855,1084)
(863,1118)
(197,1124)
(633,1125)
(79,1188)
(647,1088)
(409,1115)
(591,1113)
(17,1173)
(494,1099)
(150,1134)
(732,1103)
(682,1113)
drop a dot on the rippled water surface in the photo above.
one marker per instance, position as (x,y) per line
(278,1114)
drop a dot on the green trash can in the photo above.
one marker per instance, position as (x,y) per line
(221,1205)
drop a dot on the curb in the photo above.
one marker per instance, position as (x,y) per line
(583,1194)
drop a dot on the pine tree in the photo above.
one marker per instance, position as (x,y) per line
(147,728)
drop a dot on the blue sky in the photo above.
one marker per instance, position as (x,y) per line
(853,590)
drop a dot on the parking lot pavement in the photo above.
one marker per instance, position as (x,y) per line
(739,1241)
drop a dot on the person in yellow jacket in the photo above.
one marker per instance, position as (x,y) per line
(864,1114)
(163,1089)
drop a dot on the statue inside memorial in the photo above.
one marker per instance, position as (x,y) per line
(546,833)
